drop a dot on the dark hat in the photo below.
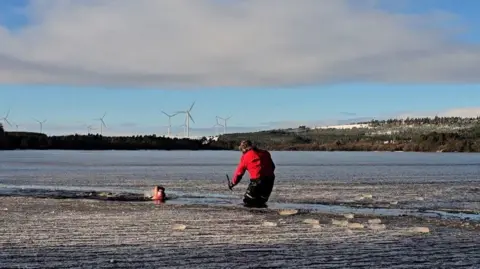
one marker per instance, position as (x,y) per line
(245,145)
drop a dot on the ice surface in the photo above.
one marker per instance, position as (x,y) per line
(76,233)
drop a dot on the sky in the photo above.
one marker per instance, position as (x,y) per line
(267,64)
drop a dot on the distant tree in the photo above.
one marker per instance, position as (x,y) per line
(3,140)
(434,134)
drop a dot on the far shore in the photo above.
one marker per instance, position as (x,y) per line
(232,150)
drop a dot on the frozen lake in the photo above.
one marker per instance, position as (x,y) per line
(415,180)
(73,233)
(133,168)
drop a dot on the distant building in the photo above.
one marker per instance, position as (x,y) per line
(343,126)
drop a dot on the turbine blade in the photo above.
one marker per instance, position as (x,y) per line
(104,114)
(165,114)
(104,125)
(190,116)
(192,106)
(8,113)
(6,120)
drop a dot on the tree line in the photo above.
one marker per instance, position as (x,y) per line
(357,139)
(424,120)
(361,139)
(38,141)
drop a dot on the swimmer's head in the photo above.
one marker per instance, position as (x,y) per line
(158,193)
(158,188)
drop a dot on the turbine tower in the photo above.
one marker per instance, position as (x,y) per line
(184,129)
(188,117)
(41,124)
(216,127)
(5,119)
(90,128)
(224,123)
(102,123)
(169,121)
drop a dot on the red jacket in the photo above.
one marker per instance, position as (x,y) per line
(257,162)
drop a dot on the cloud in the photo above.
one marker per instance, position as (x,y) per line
(348,113)
(466,112)
(194,43)
(463,112)
(324,122)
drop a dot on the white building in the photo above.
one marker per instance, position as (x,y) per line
(344,126)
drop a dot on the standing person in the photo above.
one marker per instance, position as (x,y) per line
(260,166)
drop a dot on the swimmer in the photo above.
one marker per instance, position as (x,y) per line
(158,194)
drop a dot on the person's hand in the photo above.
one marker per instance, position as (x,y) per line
(235,181)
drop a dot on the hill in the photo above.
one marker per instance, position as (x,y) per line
(449,134)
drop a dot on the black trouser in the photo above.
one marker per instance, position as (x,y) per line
(258,191)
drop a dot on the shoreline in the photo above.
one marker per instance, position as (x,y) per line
(93,234)
(233,150)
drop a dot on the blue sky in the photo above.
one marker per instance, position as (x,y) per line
(70,100)
(266,107)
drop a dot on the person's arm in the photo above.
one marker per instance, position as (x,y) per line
(271,160)
(239,172)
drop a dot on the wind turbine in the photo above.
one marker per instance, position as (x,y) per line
(216,127)
(5,119)
(224,123)
(16,126)
(90,128)
(188,117)
(184,129)
(169,121)
(41,124)
(102,123)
